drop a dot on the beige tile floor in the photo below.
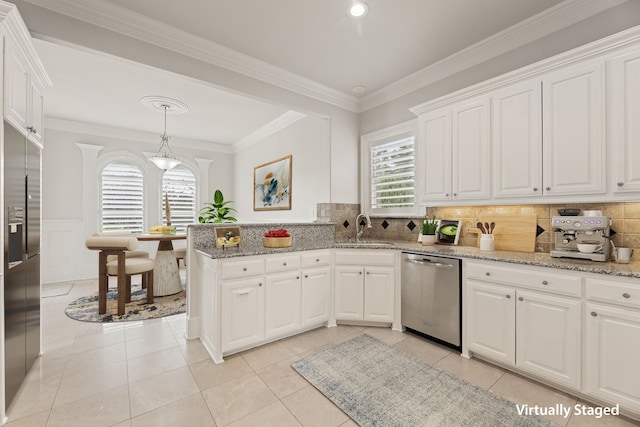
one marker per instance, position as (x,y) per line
(138,374)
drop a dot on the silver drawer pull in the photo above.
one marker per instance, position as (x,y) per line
(508,296)
(594,314)
(626,295)
(544,282)
(487,274)
(520,299)
(244,269)
(317,260)
(284,264)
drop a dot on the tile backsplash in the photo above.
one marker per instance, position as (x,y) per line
(625,221)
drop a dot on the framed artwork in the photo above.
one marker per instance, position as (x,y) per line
(272,185)
(227,236)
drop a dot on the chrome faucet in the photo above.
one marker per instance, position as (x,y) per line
(360,230)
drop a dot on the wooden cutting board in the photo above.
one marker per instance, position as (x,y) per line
(512,232)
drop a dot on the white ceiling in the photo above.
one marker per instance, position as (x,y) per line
(309,42)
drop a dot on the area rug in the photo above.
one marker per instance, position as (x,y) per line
(379,385)
(56,290)
(85,309)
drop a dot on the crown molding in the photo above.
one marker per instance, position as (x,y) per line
(63,125)
(547,22)
(120,20)
(269,129)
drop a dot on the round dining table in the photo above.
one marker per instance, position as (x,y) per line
(166,277)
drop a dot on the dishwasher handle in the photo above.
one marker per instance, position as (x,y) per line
(428,262)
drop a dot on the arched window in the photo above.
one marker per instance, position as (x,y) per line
(179,184)
(122,197)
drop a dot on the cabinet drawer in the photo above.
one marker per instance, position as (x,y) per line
(365,257)
(242,268)
(276,264)
(314,259)
(540,280)
(614,292)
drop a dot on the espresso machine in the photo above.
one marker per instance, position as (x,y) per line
(573,230)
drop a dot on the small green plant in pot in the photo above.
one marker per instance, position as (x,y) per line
(217,211)
(428,230)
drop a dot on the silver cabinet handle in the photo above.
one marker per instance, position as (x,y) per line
(626,295)
(244,269)
(367,272)
(487,274)
(297,277)
(508,296)
(620,184)
(317,259)
(547,188)
(535,188)
(306,276)
(259,284)
(520,299)
(359,272)
(284,264)
(544,282)
(455,194)
(594,314)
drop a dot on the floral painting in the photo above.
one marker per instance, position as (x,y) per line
(272,185)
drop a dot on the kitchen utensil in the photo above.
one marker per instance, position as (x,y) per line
(486,227)
(481,227)
(623,255)
(492,226)
(589,248)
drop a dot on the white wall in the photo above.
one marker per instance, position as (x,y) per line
(307,141)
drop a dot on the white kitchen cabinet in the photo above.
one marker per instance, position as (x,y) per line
(509,319)
(490,321)
(548,336)
(573,108)
(516,140)
(612,316)
(315,296)
(24,100)
(454,147)
(283,310)
(243,321)
(623,78)
(364,293)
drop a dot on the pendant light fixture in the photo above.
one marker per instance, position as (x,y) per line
(164,158)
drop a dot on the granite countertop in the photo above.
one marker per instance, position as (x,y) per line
(538,259)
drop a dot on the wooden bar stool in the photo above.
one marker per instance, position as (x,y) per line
(116,247)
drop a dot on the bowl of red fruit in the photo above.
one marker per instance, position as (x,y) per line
(279,238)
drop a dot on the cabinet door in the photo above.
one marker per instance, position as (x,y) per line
(490,321)
(623,74)
(612,349)
(573,131)
(316,295)
(548,336)
(471,150)
(243,315)
(16,100)
(434,135)
(36,110)
(282,304)
(378,294)
(349,287)
(516,140)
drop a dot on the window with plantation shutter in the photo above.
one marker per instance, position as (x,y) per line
(389,159)
(122,197)
(179,184)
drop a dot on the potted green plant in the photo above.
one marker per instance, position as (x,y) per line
(217,211)
(428,230)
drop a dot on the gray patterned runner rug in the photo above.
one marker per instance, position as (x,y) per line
(379,385)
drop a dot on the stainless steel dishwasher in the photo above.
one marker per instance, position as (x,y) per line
(431,291)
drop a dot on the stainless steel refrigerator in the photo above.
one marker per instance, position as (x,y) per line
(21,257)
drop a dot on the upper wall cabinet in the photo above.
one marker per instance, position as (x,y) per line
(455,152)
(24,77)
(516,137)
(623,78)
(574,153)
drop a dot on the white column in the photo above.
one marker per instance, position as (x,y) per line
(90,188)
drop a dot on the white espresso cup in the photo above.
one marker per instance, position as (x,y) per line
(589,248)
(623,255)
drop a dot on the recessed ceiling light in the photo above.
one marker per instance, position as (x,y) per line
(358,9)
(358,89)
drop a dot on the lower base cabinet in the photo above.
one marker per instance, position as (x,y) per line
(243,315)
